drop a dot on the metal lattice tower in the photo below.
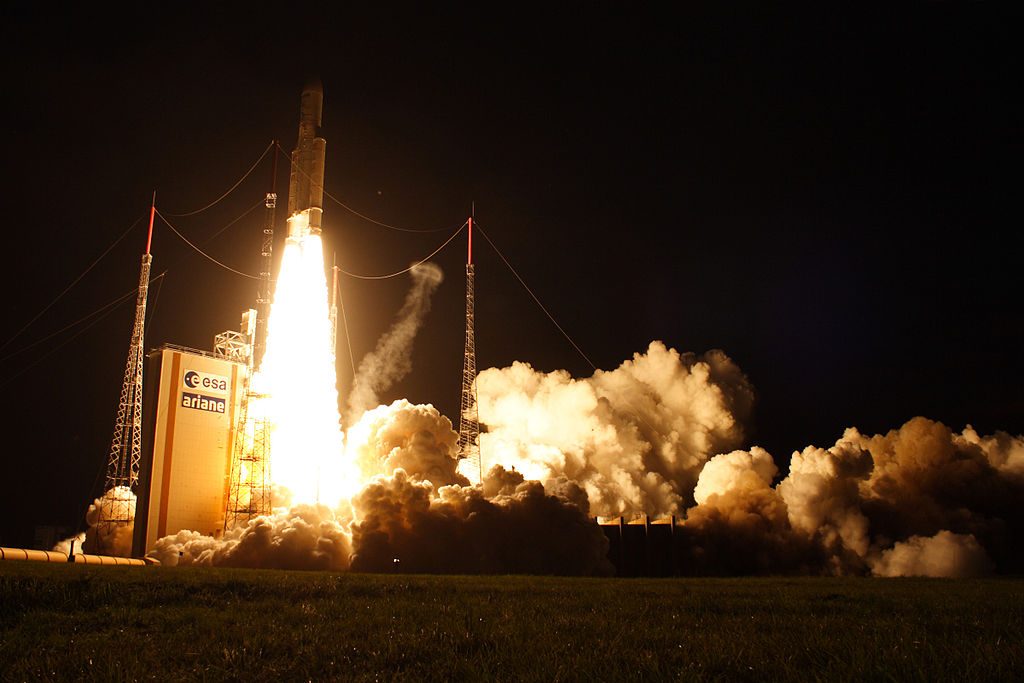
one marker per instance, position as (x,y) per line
(249,485)
(265,293)
(469,417)
(117,503)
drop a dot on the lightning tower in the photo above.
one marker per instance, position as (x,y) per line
(118,502)
(469,417)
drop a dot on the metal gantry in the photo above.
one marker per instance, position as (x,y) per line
(469,416)
(249,485)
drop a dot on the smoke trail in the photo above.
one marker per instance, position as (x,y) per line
(391,360)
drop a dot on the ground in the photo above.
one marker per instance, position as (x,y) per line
(60,622)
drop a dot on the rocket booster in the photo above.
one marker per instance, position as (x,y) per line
(306,187)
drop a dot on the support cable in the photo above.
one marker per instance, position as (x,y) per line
(56,348)
(81,320)
(348,339)
(405,270)
(200,251)
(73,283)
(244,214)
(356,213)
(530,291)
(230,190)
(632,408)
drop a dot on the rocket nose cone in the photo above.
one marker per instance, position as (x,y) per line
(313,84)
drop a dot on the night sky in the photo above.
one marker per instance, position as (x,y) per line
(829,197)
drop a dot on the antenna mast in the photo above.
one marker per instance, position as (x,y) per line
(469,417)
(117,509)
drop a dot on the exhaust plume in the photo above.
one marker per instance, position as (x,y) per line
(391,360)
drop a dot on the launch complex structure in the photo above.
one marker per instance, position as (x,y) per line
(201,458)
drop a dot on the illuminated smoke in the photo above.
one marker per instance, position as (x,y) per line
(917,500)
(944,554)
(302,537)
(298,377)
(102,535)
(391,359)
(634,438)
(658,435)
(522,529)
(416,438)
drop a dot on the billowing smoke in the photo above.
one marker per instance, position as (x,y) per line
(520,529)
(391,360)
(416,438)
(944,554)
(419,515)
(658,435)
(301,537)
(634,438)
(920,500)
(111,524)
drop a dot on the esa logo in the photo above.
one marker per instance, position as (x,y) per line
(205,382)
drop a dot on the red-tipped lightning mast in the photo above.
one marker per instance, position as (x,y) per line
(118,505)
(469,417)
(152,215)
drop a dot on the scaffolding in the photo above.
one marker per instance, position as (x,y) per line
(469,418)
(249,485)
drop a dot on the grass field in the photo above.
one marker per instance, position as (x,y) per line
(60,622)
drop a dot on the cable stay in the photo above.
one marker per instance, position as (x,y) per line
(70,286)
(406,270)
(109,308)
(356,213)
(230,190)
(632,408)
(201,252)
(530,291)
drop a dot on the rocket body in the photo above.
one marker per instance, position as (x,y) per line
(306,186)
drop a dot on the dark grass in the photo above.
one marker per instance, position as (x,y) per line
(61,622)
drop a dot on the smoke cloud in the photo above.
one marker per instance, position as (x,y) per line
(521,529)
(919,500)
(661,434)
(301,537)
(634,438)
(944,554)
(416,438)
(391,360)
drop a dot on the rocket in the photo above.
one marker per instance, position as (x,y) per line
(306,186)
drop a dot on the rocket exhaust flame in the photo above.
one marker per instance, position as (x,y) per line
(297,376)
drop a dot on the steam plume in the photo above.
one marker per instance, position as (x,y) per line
(391,360)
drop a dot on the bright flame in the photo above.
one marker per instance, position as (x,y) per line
(297,377)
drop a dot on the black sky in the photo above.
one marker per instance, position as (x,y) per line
(831,197)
